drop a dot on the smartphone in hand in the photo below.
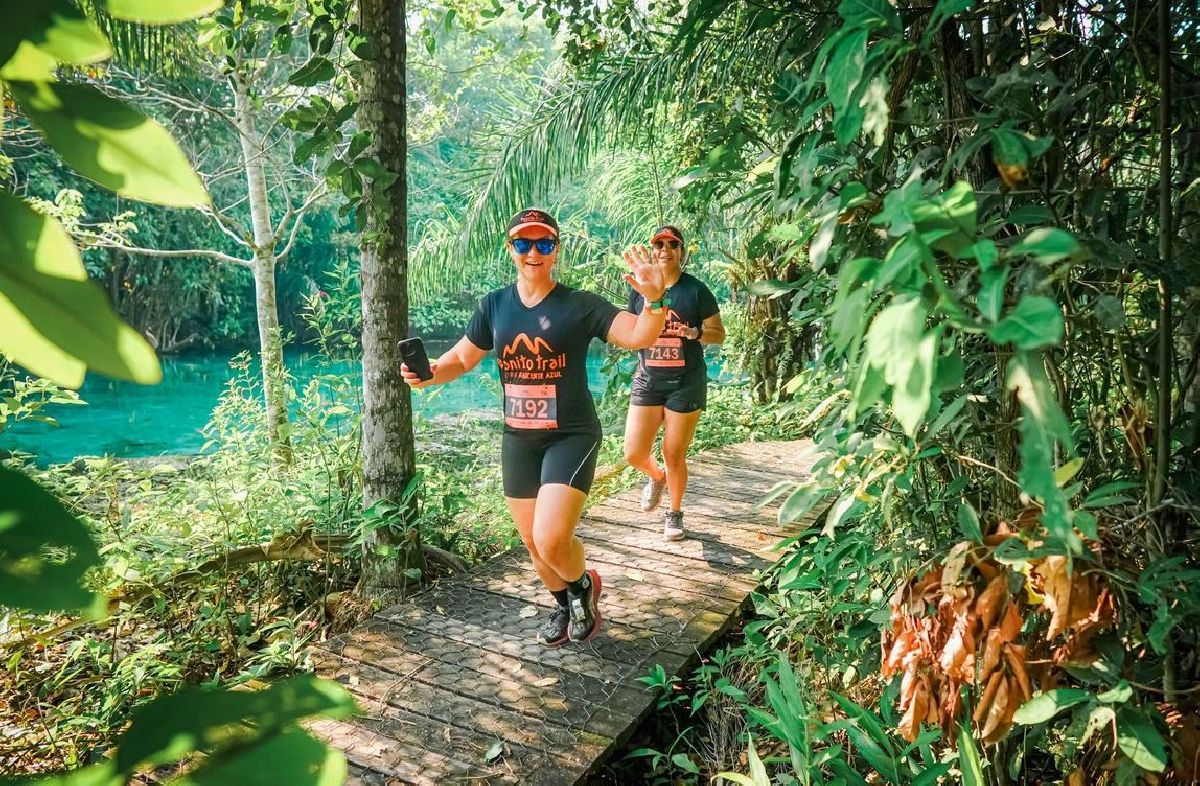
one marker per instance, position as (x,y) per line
(413,352)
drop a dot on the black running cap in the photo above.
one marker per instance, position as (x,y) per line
(667,230)
(532,218)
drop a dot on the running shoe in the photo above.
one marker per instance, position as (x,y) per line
(673,525)
(652,493)
(554,632)
(585,611)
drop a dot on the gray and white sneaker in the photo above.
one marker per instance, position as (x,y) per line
(652,493)
(673,525)
(554,632)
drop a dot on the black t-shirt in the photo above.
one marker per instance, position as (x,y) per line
(674,356)
(542,354)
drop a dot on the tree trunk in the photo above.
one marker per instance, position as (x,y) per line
(392,547)
(270,339)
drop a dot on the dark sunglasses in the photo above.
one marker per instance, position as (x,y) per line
(671,244)
(545,246)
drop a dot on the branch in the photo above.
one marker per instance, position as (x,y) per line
(297,218)
(302,546)
(452,561)
(173,253)
(231,228)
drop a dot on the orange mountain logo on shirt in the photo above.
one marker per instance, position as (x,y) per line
(537,346)
(674,321)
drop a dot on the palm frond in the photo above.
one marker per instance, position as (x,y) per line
(558,138)
(159,49)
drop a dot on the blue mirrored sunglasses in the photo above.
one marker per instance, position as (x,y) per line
(545,246)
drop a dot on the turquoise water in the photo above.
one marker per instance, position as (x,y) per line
(127,420)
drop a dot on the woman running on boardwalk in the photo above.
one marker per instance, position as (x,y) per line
(670,386)
(540,331)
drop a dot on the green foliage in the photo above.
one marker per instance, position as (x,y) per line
(51,311)
(933,195)
(161,12)
(44,551)
(39,36)
(46,287)
(248,735)
(56,323)
(111,143)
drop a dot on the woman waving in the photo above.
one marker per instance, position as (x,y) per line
(539,331)
(670,386)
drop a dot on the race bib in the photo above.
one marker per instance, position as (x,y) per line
(667,352)
(530,406)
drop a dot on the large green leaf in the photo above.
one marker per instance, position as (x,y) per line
(44,550)
(869,13)
(37,36)
(845,68)
(968,522)
(991,292)
(161,12)
(111,143)
(800,502)
(199,718)
(1140,741)
(947,222)
(1042,425)
(1009,146)
(899,346)
(1036,322)
(1046,245)
(293,757)
(968,758)
(315,71)
(53,321)
(1046,705)
(912,397)
(894,336)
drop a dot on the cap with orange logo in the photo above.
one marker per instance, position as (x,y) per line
(532,219)
(667,231)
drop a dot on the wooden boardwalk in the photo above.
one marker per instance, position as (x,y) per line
(454,688)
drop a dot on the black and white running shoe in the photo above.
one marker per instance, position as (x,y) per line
(585,611)
(554,632)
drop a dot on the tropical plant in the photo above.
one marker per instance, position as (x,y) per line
(981,210)
(55,323)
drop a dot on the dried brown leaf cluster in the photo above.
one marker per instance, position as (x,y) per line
(1079,603)
(958,625)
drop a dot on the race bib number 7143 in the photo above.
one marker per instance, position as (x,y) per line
(667,352)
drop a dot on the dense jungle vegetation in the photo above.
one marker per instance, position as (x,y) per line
(955,243)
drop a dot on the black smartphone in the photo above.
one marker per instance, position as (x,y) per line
(413,352)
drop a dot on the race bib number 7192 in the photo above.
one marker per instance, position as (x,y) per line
(530,406)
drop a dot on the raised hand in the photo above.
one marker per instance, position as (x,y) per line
(645,276)
(412,380)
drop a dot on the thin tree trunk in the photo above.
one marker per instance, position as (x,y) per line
(393,545)
(1166,342)
(270,339)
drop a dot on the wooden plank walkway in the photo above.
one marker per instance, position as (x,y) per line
(455,689)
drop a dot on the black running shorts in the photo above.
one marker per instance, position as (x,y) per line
(686,393)
(531,459)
